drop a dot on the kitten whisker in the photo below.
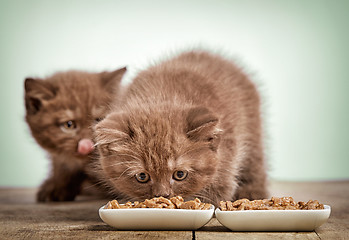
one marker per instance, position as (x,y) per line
(204,198)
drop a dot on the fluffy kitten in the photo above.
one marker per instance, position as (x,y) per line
(189,126)
(60,111)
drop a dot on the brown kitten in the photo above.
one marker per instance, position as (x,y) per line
(60,111)
(189,126)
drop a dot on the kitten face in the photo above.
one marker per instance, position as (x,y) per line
(161,153)
(62,108)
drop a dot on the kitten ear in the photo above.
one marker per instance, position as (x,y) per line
(111,132)
(202,126)
(37,91)
(109,79)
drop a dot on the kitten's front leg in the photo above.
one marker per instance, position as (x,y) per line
(252,184)
(64,183)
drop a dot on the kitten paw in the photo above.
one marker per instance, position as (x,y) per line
(48,192)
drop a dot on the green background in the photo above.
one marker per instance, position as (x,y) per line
(297,51)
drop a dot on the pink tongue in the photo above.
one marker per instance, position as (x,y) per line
(85,146)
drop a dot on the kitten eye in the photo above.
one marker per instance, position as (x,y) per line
(180,175)
(69,125)
(99,119)
(142,177)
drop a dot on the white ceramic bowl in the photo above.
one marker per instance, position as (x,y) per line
(155,218)
(273,220)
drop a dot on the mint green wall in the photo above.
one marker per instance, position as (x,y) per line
(297,50)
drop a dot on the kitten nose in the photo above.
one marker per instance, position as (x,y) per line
(165,195)
(85,146)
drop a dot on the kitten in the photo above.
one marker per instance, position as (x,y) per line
(60,111)
(189,126)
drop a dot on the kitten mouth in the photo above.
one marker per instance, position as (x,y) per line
(85,146)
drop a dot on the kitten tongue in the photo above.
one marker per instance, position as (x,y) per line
(85,146)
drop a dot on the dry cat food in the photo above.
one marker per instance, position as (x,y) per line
(161,202)
(275,203)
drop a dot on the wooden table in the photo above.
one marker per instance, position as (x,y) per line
(22,218)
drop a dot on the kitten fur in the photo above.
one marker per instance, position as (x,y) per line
(60,111)
(188,126)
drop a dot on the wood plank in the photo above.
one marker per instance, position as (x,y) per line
(335,228)
(255,235)
(84,231)
(214,230)
(71,220)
